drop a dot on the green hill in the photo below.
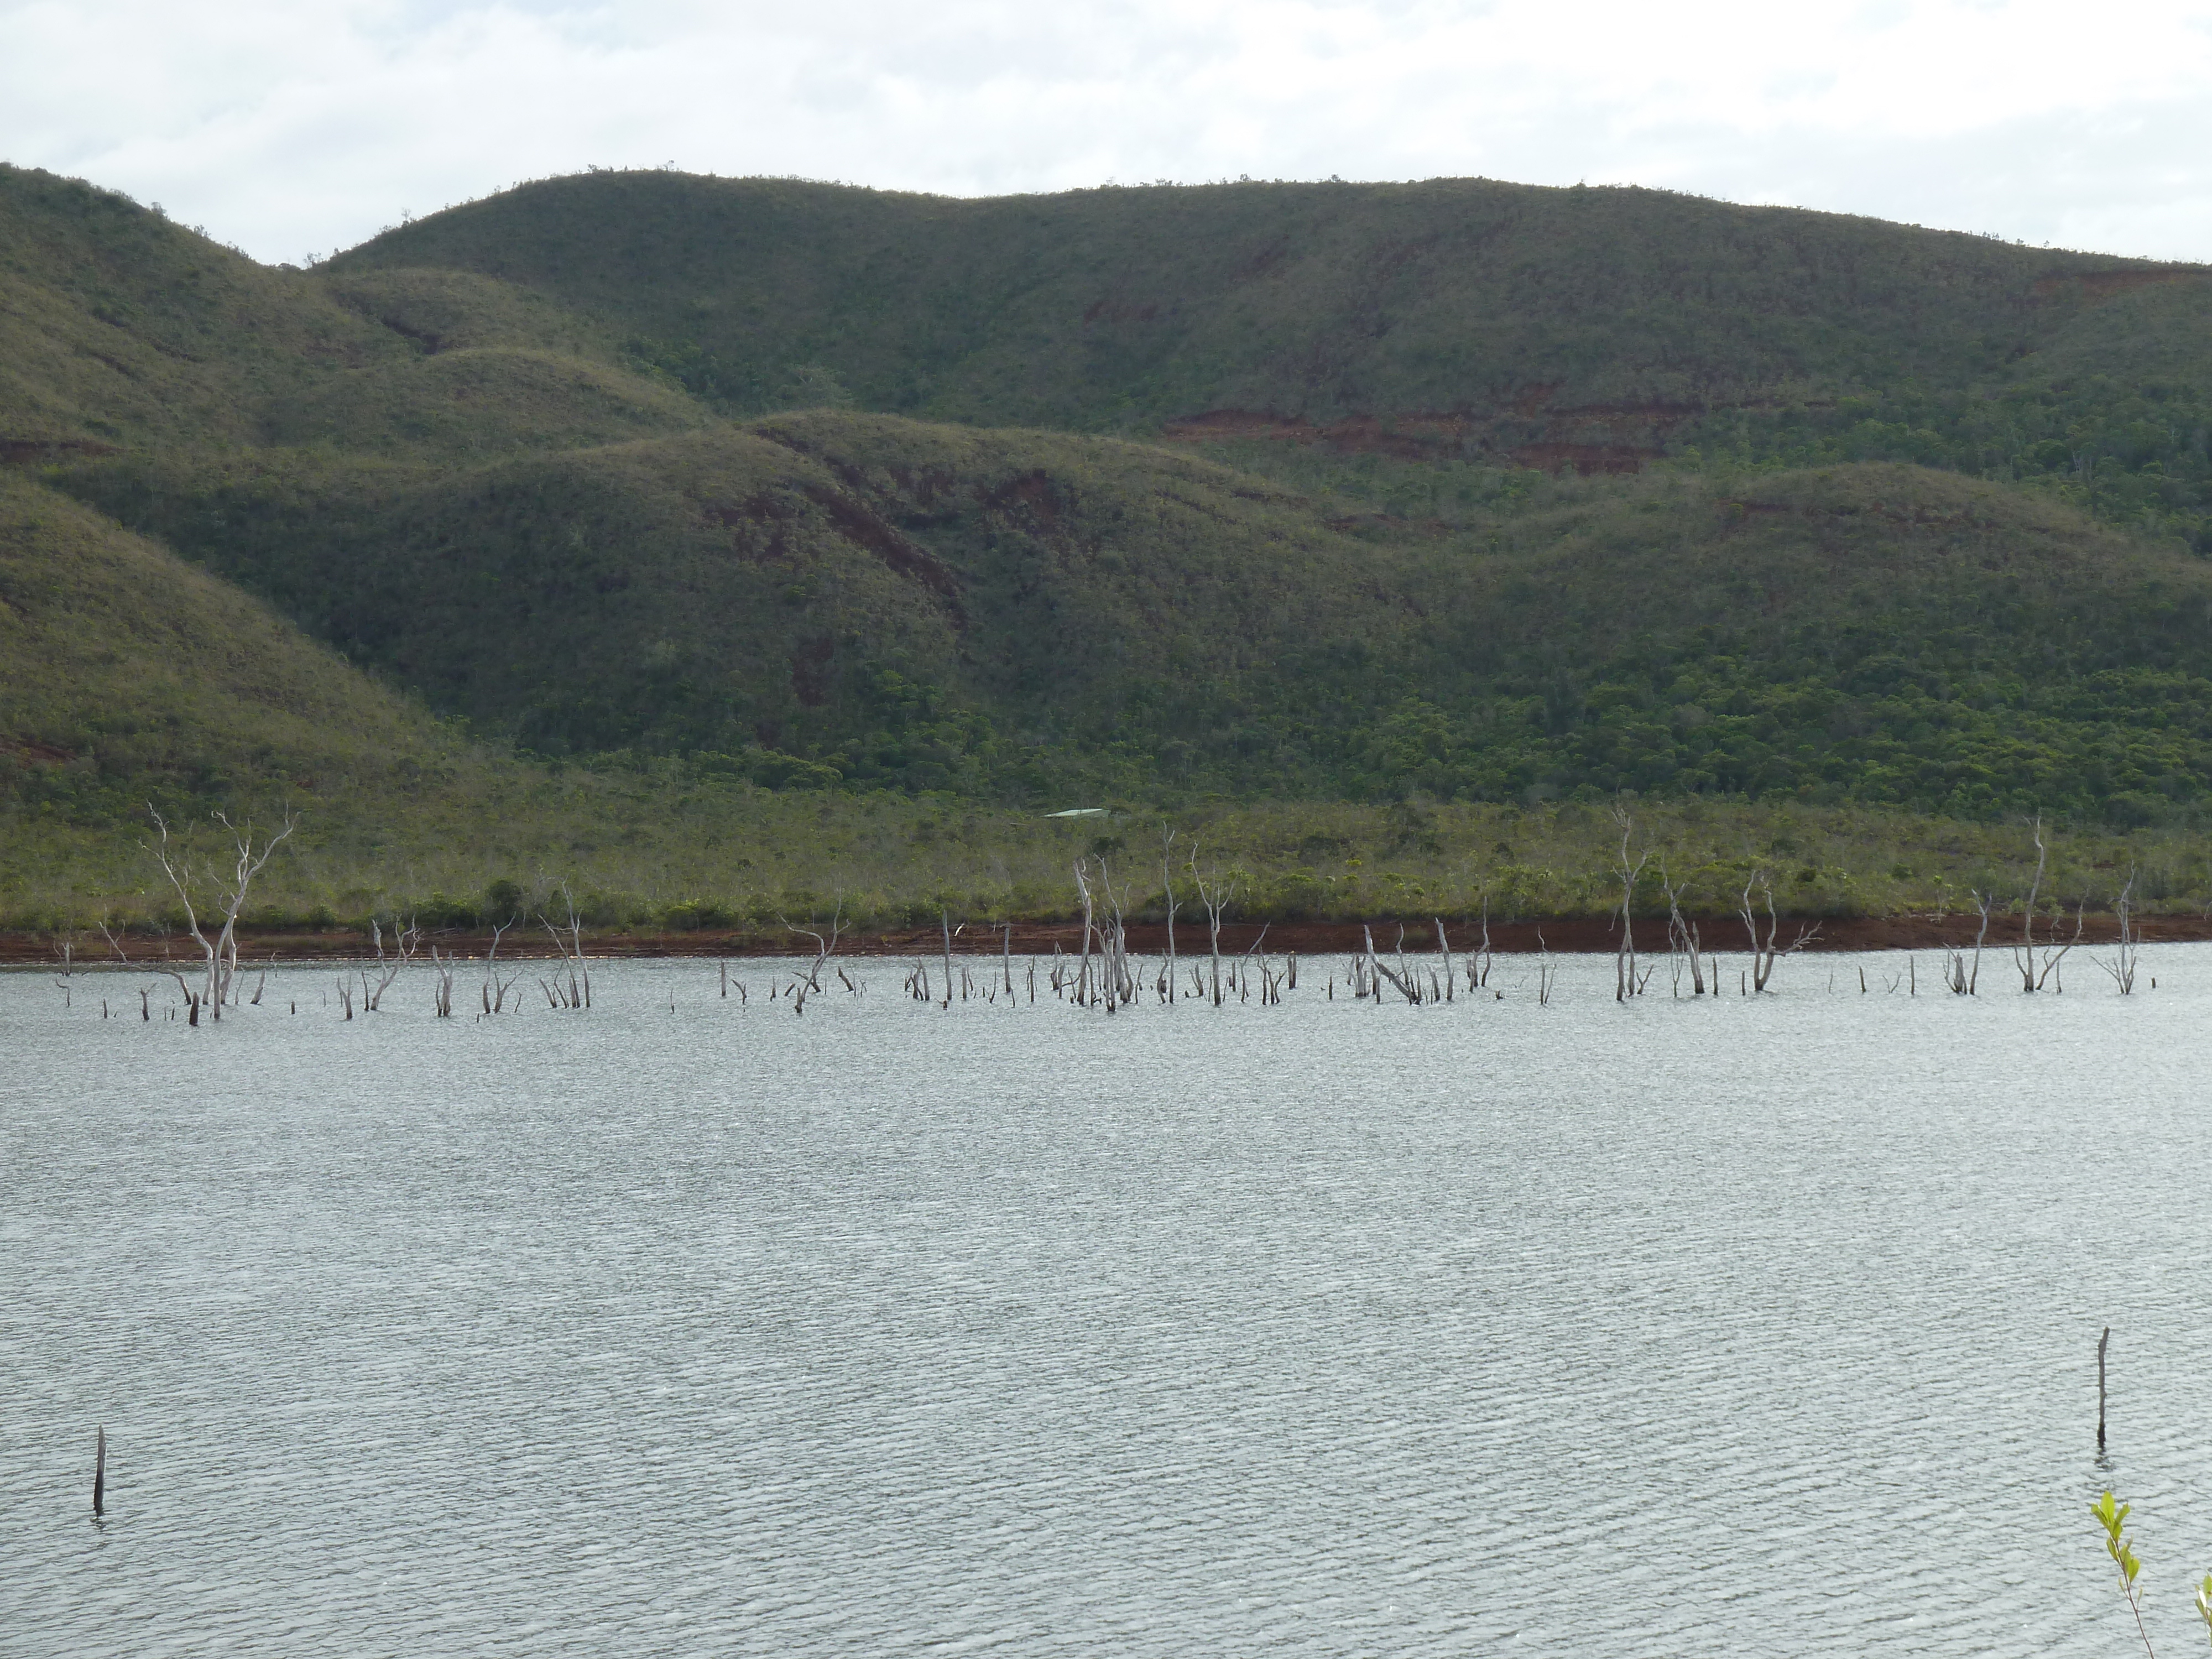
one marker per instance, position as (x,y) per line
(1460,490)
(121,330)
(1325,302)
(918,605)
(826,597)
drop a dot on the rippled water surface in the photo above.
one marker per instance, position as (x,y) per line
(690,1326)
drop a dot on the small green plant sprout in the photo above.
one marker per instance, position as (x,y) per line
(2113,1517)
(2205,1603)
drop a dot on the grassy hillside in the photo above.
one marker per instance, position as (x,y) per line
(1872,632)
(119,329)
(1591,330)
(1454,492)
(925,605)
(126,672)
(478,401)
(1320,301)
(824,598)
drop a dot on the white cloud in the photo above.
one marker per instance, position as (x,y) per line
(288,127)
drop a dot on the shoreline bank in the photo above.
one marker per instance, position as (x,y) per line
(1564,935)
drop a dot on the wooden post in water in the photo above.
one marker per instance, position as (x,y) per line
(99,1474)
(2101,1342)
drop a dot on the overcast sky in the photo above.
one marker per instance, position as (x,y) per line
(292,127)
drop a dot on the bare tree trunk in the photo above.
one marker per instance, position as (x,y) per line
(1405,987)
(1083,965)
(1625,983)
(2122,967)
(404,940)
(495,989)
(219,955)
(2054,961)
(2024,957)
(1215,897)
(823,947)
(1764,953)
(1167,882)
(1682,935)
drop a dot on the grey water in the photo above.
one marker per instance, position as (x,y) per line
(696,1326)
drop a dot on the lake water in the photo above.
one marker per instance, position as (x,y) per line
(686,1326)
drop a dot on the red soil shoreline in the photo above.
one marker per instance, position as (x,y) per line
(1563,934)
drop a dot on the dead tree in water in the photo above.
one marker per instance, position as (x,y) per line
(1083,962)
(1115,983)
(220,953)
(1405,986)
(1121,982)
(1962,980)
(1443,947)
(2023,954)
(2054,959)
(406,938)
(1215,897)
(1167,883)
(1244,965)
(1625,983)
(572,952)
(823,947)
(1682,939)
(496,988)
(1764,953)
(2122,967)
(2035,974)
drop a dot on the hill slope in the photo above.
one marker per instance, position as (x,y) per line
(877,600)
(1324,302)
(124,671)
(1591,330)
(901,601)
(120,330)
(489,458)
